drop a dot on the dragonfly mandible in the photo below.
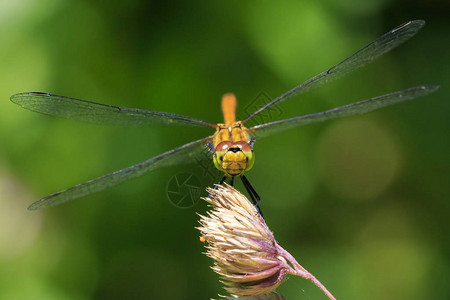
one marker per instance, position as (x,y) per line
(232,144)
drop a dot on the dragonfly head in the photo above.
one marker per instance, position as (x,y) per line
(234,158)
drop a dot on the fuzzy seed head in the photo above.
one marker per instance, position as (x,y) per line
(246,256)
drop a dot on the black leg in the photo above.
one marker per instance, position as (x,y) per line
(256,200)
(251,190)
(232,181)
(245,183)
(220,182)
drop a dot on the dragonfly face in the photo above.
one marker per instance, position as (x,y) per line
(233,153)
(232,143)
(233,158)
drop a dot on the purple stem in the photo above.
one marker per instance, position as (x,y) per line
(300,271)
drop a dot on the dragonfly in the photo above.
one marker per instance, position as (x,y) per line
(232,144)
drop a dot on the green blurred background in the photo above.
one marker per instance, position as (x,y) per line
(362,202)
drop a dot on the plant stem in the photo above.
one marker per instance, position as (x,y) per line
(300,271)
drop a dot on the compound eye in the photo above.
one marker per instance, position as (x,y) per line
(223,147)
(245,147)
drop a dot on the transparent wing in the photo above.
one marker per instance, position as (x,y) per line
(87,111)
(180,155)
(360,107)
(365,55)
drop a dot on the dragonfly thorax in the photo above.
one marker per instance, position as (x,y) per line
(233,158)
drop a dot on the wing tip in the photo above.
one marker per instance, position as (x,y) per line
(45,202)
(34,206)
(418,22)
(16,97)
(431,88)
(414,25)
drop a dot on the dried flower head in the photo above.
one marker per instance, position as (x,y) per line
(245,252)
(270,296)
